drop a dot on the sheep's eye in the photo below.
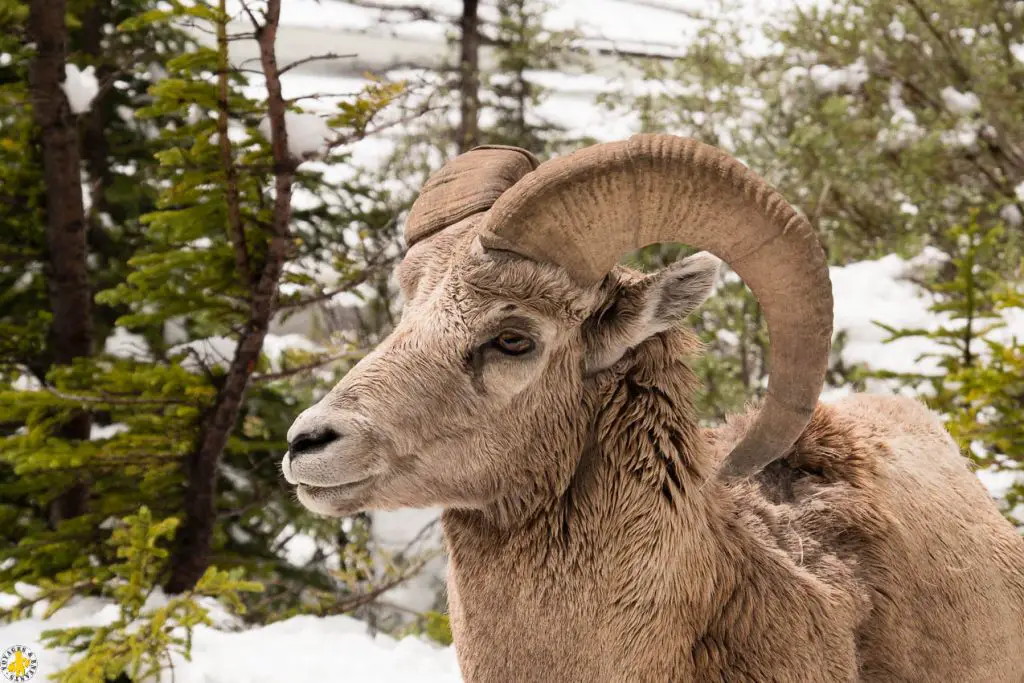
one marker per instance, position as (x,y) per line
(513,343)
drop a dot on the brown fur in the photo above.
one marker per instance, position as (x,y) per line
(589,537)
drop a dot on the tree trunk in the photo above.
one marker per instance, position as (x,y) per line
(67,277)
(468,134)
(193,546)
(193,543)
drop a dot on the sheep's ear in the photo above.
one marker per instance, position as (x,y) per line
(653,304)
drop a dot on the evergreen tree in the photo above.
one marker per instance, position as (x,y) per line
(194,249)
(523,46)
(978,384)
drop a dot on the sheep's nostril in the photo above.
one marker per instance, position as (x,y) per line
(311,441)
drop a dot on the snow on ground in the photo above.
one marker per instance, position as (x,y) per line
(872,291)
(303,648)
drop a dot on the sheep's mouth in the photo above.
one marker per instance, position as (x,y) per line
(335,501)
(312,490)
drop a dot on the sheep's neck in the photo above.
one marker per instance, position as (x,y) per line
(625,550)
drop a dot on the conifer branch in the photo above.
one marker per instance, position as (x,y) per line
(236,229)
(116,399)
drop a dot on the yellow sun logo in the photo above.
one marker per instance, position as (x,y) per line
(18,664)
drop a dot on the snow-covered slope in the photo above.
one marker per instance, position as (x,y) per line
(302,648)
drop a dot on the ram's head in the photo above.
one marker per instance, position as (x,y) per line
(516,313)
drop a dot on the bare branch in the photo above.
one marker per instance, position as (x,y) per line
(669,7)
(369,271)
(427,529)
(330,56)
(962,74)
(367,132)
(320,96)
(356,601)
(319,363)
(418,12)
(257,26)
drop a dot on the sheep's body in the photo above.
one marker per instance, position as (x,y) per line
(537,393)
(871,553)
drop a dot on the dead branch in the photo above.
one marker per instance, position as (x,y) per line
(319,363)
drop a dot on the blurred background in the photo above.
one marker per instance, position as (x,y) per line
(177,283)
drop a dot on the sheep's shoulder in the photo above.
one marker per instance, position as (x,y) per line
(834,448)
(824,501)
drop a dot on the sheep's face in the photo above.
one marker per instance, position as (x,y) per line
(483,394)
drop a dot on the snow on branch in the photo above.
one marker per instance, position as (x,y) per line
(309,136)
(80,87)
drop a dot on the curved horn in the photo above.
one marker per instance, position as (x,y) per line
(466,185)
(587,210)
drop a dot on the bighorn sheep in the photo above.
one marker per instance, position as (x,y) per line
(539,393)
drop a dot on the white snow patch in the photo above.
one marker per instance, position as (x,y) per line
(727,336)
(968,35)
(25,279)
(1012,215)
(871,291)
(313,648)
(100,432)
(206,353)
(964,135)
(998,482)
(308,134)
(128,345)
(897,30)
(274,346)
(833,79)
(959,102)
(26,382)
(80,86)
(903,130)
(299,549)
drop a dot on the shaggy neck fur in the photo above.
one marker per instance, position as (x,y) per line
(645,568)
